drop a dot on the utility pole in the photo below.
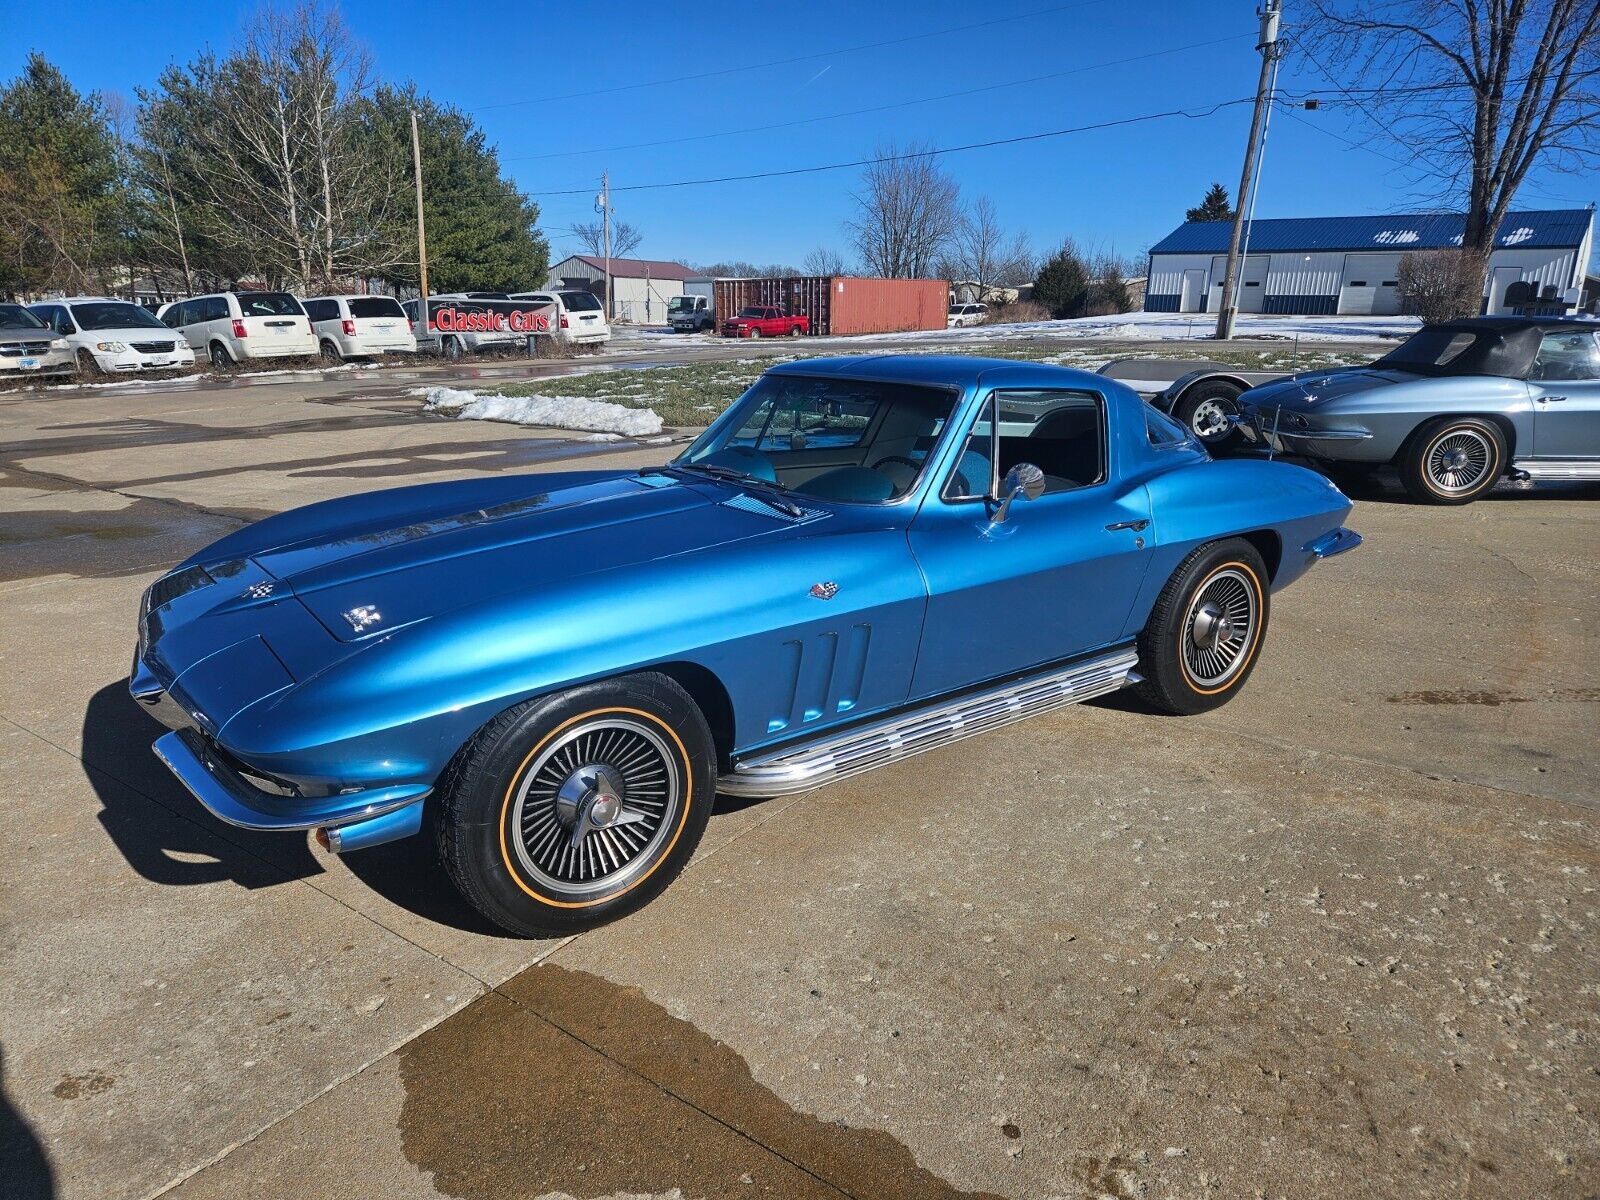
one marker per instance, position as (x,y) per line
(422,231)
(605,226)
(1271,14)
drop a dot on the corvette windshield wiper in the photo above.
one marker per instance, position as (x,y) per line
(757,486)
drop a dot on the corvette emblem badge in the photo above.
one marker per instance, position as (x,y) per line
(825,591)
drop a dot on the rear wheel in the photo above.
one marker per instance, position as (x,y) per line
(1200,643)
(453,350)
(794,331)
(1453,460)
(574,809)
(220,358)
(1207,409)
(330,352)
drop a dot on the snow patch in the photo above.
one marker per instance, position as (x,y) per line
(556,412)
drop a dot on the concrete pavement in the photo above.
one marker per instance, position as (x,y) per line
(1333,939)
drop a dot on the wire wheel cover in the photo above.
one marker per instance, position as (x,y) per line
(1458,461)
(1219,628)
(594,807)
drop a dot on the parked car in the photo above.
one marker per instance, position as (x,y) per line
(30,347)
(460,324)
(861,559)
(359,326)
(765,320)
(236,327)
(1204,395)
(691,314)
(112,337)
(967,314)
(1455,407)
(580,317)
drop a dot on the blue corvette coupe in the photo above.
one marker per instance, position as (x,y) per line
(862,559)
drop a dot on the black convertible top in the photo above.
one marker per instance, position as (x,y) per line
(1503,346)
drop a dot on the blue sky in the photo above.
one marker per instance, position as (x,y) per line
(1121,188)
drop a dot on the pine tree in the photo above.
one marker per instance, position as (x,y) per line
(1214,207)
(1062,285)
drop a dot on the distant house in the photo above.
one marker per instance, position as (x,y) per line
(640,287)
(1324,265)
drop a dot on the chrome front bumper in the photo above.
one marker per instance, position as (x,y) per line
(352,819)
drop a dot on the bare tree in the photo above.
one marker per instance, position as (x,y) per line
(1478,91)
(1439,285)
(823,261)
(907,211)
(982,254)
(591,236)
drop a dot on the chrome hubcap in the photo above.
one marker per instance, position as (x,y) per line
(1219,628)
(1459,460)
(595,805)
(1210,420)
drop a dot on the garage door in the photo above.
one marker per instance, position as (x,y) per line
(1371,285)
(1252,283)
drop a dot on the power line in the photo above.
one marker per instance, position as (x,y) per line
(856,112)
(1194,114)
(782,62)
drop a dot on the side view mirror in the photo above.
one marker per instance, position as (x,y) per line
(1024,481)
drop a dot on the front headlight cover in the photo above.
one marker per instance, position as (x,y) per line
(111,347)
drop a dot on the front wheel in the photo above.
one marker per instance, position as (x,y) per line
(574,809)
(1453,460)
(88,366)
(1208,409)
(1200,643)
(755,333)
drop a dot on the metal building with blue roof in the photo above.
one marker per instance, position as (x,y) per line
(1325,265)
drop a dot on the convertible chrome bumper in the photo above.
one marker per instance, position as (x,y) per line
(801,768)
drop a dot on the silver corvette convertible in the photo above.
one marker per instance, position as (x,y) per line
(1455,407)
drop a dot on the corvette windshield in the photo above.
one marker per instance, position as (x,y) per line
(861,441)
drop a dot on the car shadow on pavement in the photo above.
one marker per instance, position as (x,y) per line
(408,873)
(25,1165)
(161,829)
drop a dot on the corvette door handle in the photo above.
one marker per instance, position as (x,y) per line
(1551,399)
(1138,526)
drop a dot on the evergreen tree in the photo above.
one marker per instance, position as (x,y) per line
(1214,207)
(1062,284)
(482,231)
(62,203)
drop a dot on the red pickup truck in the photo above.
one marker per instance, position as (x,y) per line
(765,320)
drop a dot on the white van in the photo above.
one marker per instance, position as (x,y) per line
(359,326)
(581,319)
(235,327)
(112,336)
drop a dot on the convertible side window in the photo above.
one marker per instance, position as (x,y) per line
(1566,355)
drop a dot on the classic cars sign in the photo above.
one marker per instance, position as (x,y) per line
(486,319)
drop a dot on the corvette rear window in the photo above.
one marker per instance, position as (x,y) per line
(1431,350)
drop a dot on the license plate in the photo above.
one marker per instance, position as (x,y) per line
(29,364)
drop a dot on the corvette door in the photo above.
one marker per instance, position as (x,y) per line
(1058,576)
(1565,383)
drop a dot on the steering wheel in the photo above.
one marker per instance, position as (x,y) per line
(898,458)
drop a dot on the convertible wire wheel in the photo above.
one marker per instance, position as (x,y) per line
(593,808)
(1219,629)
(1457,461)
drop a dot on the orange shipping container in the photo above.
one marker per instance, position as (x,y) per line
(843,304)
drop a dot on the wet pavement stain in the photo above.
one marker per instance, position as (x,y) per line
(565,1082)
(1493,699)
(90,1083)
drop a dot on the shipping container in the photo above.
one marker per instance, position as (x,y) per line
(843,304)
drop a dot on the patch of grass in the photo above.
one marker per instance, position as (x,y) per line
(692,394)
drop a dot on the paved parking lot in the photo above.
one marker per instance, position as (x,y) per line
(1334,939)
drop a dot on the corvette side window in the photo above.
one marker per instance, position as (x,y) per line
(973,476)
(1567,355)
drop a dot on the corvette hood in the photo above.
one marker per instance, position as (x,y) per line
(434,548)
(1318,389)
